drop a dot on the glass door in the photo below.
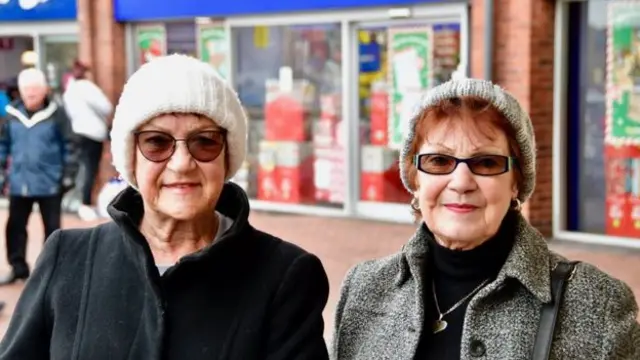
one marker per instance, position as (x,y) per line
(397,62)
(57,53)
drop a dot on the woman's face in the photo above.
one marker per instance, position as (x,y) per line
(180,187)
(463,209)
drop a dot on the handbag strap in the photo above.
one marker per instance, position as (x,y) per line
(549,312)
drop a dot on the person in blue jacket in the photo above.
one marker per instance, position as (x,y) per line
(36,136)
(4,99)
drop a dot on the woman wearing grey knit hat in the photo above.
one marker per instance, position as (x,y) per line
(476,280)
(179,273)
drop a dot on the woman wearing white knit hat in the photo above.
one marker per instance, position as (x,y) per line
(179,273)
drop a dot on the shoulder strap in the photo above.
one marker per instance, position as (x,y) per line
(549,312)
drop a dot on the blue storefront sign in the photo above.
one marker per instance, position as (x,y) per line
(37,10)
(139,10)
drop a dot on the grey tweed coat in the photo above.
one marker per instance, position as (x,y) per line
(380,313)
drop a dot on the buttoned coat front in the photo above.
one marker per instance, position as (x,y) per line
(380,314)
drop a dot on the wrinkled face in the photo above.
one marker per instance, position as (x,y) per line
(33,96)
(461,208)
(179,187)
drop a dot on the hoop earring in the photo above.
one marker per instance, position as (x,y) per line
(516,204)
(414,205)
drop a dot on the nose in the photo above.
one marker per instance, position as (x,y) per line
(462,179)
(181,161)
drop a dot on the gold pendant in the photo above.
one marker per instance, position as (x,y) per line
(439,325)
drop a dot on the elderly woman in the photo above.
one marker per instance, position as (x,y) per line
(476,280)
(179,273)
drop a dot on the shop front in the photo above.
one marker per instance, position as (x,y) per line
(46,28)
(327,88)
(597,122)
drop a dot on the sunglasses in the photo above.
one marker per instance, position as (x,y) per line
(158,146)
(483,165)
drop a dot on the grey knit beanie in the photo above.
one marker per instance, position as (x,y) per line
(503,102)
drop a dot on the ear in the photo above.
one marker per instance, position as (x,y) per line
(514,191)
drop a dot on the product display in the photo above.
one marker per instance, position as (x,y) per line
(622,131)
(379,180)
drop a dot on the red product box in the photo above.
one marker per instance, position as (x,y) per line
(380,175)
(379,133)
(295,172)
(285,120)
(330,174)
(267,176)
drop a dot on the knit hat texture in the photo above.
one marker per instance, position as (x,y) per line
(503,102)
(176,84)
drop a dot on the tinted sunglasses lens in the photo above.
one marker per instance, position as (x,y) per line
(437,164)
(206,146)
(489,165)
(155,146)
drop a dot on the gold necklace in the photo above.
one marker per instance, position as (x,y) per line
(440,325)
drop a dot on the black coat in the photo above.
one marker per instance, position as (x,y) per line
(96,294)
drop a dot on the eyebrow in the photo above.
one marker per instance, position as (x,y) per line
(449,151)
(208,127)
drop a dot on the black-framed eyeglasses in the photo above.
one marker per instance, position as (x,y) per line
(483,165)
(158,146)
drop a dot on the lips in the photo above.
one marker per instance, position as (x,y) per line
(182,186)
(461,208)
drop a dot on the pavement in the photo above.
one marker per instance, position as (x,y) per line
(340,244)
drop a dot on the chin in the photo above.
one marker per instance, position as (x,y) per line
(183,212)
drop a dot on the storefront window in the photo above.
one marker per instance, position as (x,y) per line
(397,64)
(58,56)
(153,40)
(289,78)
(603,109)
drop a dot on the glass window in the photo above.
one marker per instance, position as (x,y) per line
(152,40)
(397,63)
(181,38)
(59,54)
(289,79)
(603,184)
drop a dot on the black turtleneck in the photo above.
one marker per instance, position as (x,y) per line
(457,273)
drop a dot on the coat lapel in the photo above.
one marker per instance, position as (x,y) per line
(528,262)
(37,118)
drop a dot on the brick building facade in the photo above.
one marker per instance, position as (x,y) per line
(523,64)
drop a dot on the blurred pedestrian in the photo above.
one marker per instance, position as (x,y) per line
(179,273)
(12,89)
(477,280)
(37,136)
(88,108)
(4,99)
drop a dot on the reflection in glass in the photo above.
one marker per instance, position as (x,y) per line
(289,79)
(397,64)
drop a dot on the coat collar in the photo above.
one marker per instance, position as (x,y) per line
(528,262)
(19,113)
(127,211)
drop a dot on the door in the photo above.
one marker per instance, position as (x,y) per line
(58,53)
(397,62)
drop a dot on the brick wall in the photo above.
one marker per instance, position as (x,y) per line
(102,46)
(523,64)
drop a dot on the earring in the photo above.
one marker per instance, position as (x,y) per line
(415,205)
(516,204)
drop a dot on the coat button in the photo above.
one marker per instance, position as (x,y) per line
(477,348)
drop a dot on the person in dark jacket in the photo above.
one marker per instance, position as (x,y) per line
(37,136)
(179,273)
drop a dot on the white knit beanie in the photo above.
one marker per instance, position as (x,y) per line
(504,102)
(176,84)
